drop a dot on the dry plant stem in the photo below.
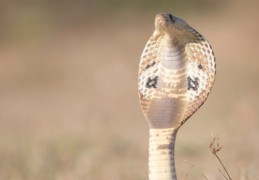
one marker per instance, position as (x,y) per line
(203,175)
(225,169)
(223,174)
(215,148)
(161,154)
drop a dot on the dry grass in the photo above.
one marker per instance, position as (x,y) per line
(69,106)
(215,149)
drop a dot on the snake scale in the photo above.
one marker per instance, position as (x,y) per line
(176,73)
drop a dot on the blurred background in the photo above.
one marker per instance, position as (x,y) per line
(68,90)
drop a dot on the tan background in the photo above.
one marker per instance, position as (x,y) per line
(68,90)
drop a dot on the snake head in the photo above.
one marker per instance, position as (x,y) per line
(167,24)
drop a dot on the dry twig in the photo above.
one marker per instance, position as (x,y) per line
(215,148)
(223,174)
(203,175)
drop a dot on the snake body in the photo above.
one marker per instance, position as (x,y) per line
(176,73)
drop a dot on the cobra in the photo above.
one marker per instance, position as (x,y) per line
(176,73)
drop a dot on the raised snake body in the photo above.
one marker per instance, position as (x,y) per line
(176,73)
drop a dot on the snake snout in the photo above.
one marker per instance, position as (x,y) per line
(163,18)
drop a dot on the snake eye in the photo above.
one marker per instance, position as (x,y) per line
(171,17)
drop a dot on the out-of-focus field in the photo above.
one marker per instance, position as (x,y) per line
(68,91)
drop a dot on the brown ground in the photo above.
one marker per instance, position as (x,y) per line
(69,106)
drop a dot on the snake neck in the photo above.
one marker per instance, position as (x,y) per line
(173,56)
(161,154)
(168,103)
